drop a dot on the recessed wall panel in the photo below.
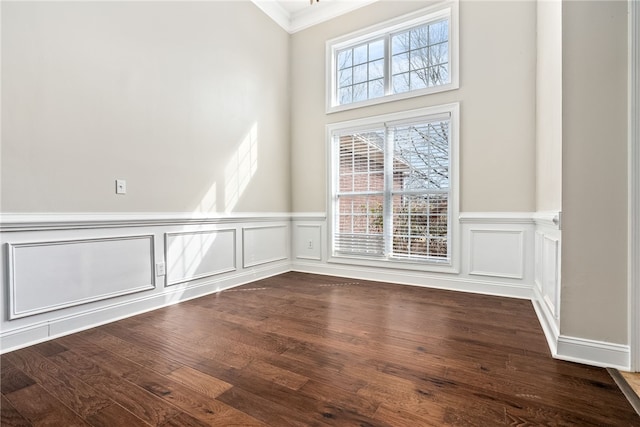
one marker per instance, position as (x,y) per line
(46,276)
(550,274)
(266,244)
(498,253)
(195,255)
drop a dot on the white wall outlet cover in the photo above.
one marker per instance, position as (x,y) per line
(160,269)
(121,186)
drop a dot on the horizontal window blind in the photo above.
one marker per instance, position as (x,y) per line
(392,191)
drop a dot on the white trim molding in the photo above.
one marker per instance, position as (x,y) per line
(73,271)
(549,219)
(496,218)
(497,253)
(334,131)
(198,254)
(265,244)
(309,16)
(45,276)
(634,184)
(547,277)
(592,352)
(83,220)
(547,321)
(444,281)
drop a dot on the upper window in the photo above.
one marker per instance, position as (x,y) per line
(409,56)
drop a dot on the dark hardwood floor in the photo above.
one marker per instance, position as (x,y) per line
(307,350)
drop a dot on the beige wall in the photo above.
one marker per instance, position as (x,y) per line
(594,171)
(162,94)
(549,106)
(497,102)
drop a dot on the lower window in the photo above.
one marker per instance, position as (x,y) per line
(392,187)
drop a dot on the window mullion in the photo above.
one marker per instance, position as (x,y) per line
(387,64)
(388,193)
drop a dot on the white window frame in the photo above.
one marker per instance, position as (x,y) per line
(445,9)
(335,129)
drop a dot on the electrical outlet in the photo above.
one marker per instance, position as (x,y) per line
(310,244)
(160,270)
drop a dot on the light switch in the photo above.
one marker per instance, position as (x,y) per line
(121,186)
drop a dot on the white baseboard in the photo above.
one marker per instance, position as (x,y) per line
(592,352)
(579,350)
(414,278)
(547,321)
(34,334)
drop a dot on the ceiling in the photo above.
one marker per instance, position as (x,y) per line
(296,15)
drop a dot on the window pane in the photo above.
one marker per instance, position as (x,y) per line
(420,226)
(419,59)
(376,88)
(359,92)
(414,58)
(344,77)
(360,55)
(439,53)
(425,54)
(414,211)
(376,50)
(360,73)
(400,43)
(418,37)
(421,157)
(401,83)
(345,95)
(438,32)
(419,79)
(400,63)
(359,228)
(439,75)
(361,162)
(376,69)
(345,59)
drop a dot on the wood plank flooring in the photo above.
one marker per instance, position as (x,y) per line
(633,379)
(308,350)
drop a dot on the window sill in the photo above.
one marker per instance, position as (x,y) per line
(425,266)
(390,98)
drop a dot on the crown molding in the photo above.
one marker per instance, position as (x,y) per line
(308,17)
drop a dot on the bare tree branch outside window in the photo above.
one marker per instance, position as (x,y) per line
(418,57)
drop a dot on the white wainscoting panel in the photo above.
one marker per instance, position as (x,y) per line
(308,241)
(198,254)
(539,238)
(63,273)
(496,253)
(546,299)
(46,276)
(550,288)
(265,244)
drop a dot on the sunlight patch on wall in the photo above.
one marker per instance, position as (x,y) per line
(241,168)
(186,253)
